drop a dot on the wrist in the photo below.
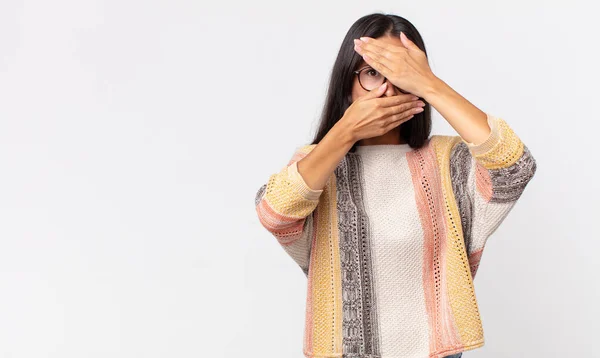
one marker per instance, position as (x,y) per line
(343,134)
(435,86)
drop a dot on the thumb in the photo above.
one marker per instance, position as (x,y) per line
(407,42)
(377,92)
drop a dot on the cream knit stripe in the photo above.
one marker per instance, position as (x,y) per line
(397,239)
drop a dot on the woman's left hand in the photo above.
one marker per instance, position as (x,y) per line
(405,66)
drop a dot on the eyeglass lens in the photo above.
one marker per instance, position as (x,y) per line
(370,79)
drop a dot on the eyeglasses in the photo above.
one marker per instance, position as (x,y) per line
(369,78)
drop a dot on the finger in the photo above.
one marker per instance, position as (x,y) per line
(385,54)
(374,93)
(397,120)
(411,107)
(408,43)
(396,100)
(370,41)
(364,47)
(375,63)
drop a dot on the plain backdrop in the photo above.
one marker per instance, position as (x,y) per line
(134,136)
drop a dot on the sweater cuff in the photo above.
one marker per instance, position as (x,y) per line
(300,185)
(492,140)
(501,149)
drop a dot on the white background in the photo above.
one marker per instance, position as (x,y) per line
(135,134)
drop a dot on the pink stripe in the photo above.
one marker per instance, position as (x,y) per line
(483,182)
(443,332)
(474,259)
(279,224)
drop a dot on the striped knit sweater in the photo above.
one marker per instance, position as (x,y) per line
(391,257)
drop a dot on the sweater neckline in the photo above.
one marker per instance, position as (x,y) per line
(383,148)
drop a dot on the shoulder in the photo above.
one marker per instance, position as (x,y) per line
(444,144)
(443,138)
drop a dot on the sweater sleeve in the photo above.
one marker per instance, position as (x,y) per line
(488,179)
(285,205)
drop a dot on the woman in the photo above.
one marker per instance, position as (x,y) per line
(387,222)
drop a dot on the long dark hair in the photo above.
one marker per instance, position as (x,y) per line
(415,131)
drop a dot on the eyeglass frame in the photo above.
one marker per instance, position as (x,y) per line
(357,72)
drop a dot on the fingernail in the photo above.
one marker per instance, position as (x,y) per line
(383,85)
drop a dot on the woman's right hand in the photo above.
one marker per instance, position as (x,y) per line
(370,116)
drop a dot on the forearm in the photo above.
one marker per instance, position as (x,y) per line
(318,165)
(467,120)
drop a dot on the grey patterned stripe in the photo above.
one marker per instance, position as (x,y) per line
(460,166)
(359,325)
(509,183)
(259,194)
